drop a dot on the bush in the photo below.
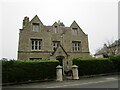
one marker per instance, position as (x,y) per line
(91,66)
(91,59)
(24,70)
(116,62)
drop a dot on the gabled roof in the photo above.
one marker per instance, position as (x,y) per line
(36,17)
(59,46)
(60,24)
(74,23)
(102,51)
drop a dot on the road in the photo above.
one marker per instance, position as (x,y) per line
(110,81)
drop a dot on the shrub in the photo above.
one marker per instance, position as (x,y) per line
(116,62)
(90,66)
(91,59)
(24,70)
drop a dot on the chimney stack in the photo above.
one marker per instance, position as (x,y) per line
(59,22)
(25,21)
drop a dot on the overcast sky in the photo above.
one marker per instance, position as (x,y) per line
(97,18)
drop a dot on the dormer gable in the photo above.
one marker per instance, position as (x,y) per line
(75,28)
(55,24)
(36,24)
(55,27)
(74,25)
(60,51)
(36,20)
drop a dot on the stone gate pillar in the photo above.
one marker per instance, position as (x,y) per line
(75,72)
(59,73)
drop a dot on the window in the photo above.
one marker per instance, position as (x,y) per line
(76,45)
(74,31)
(55,44)
(55,29)
(36,27)
(36,44)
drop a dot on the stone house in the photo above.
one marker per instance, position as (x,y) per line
(114,48)
(100,53)
(38,41)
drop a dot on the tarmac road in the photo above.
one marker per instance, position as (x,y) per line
(110,81)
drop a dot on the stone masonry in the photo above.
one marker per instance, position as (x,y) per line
(38,41)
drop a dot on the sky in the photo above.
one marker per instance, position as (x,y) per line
(97,18)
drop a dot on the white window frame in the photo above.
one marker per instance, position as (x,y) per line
(75,31)
(76,46)
(36,27)
(36,44)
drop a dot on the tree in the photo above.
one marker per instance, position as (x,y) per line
(112,47)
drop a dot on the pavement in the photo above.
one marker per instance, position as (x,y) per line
(110,81)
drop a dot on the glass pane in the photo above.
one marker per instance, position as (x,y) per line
(73,48)
(54,48)
(39,47)
(75,32)
(57,44)
(75,44)
(53,44)
(32,42)
(32,47)
(37,28)
(78,48)
(36,42)
(35,47)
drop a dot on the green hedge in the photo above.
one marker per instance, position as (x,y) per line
(116,61)
(93,66)
(24,70)
(91,59)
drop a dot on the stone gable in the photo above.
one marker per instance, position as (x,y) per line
(38,41)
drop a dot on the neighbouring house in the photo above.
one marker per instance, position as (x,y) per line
(38,41)
(110,50)
(114,48)
(103,51)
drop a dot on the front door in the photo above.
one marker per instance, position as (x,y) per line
(61,61)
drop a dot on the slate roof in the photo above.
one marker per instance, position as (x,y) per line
(102,51)
(62,27)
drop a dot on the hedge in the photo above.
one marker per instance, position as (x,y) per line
(91,59)
(116,62)
(93,66)
(24,70)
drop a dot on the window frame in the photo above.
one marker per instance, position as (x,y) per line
(55,29)
(55,44)
(76,46)
(36,44)
(75,31)
(35,27)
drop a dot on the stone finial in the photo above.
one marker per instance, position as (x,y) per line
(59,67)
(74,66)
